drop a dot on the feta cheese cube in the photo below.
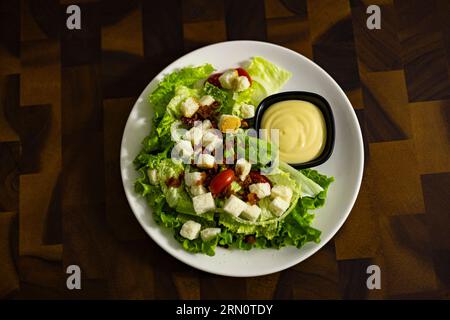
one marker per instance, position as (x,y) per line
(228,79)
(210,136)
(251,213)
(152,176)
(242,168)
(194,135)
(205,161)
(182,149)
(229,123)
(278,206)
(247,111)
(215,145)
(198,190)
(189,107)
(261,190)
(206,101)
(242,83)
(203,203)
(206,124)
(190,230)
(209,233)
(283,192)
(234,206)
(194,178)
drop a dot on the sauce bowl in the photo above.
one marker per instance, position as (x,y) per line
(323,106)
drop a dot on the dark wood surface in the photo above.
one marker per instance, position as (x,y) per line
(65,96)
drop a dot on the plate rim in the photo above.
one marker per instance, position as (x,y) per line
(335,229)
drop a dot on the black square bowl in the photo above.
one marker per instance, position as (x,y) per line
(323,106)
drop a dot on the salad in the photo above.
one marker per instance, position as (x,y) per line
(206,174)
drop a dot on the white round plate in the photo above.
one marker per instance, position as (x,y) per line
(345,164)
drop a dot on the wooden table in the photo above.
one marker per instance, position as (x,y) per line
(65,96)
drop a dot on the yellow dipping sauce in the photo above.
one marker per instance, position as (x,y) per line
(302,130)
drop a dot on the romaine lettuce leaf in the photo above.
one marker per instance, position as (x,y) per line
(270,76)
(253,95)
(254,149)
(268,230)
(309,187)
(165,90)
(284,178)
(220,95)
(174,196)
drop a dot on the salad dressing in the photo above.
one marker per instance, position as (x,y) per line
(302,129)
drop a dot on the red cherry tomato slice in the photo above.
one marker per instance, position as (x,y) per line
(214,79)
(258,178)
(221,181)
(242,72)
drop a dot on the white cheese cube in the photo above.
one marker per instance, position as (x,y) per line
(189,107)
(152,176)
(212,140)
(182,149)
(198,190)
(247,111)
(209,233)
(194,178)
(194,135)
(203,203)
(251,212)
(242,168)
(229,123)
(262,190)
(234,206)
(206,101)
(210,136)
(242,84)
(228,79)
(205,161)
(278,206)
(206,124)
(190,230)
(283,192)
(215,145)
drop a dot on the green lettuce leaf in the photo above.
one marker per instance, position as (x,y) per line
(181,93)
(222,96)
(267,78)
(165,90)
(270,76)
(254,149)
(283,178)
(296,229)
(309,187)
(253,95)
(268,230)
